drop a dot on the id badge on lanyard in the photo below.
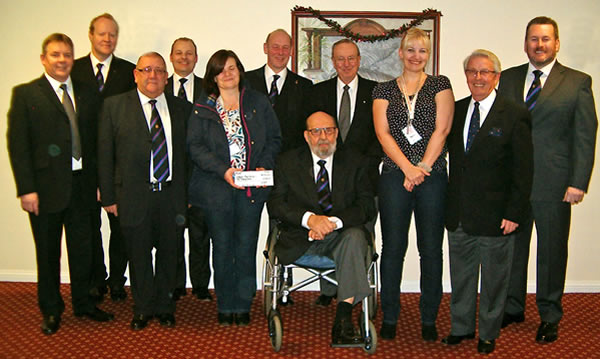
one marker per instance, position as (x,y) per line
(409,131)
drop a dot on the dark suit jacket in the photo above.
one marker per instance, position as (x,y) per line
(361,136)
(564,126)
(197,87)
(39,143)
(120,76)
(295,193)
(493,180)
(289,106)
(124,147)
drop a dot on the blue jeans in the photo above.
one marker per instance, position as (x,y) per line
(396,206)
(234,232)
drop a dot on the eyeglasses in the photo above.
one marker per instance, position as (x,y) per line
(148,70)
(317,131)
(482,73)
(350,59)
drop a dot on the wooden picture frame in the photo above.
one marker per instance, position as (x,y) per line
(311,56)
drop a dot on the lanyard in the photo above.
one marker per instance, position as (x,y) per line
(410,104)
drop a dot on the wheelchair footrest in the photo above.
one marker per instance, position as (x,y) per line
(360,344)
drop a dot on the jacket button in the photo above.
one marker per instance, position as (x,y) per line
(251,201)
(252,142)
(196,112)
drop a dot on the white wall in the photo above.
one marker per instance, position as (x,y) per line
(242,26)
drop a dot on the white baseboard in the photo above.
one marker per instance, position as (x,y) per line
(407,286)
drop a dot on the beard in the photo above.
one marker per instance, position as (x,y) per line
(324,152)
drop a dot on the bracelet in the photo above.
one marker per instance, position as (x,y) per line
(424,166)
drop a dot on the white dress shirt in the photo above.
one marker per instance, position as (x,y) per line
(269,78)
(352,91)
(163,112)
(484,108)
(530,76)
(188,86)
(105,68)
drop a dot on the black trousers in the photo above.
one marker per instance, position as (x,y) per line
(199,242)
(47,231)
(117,253)
(152,286)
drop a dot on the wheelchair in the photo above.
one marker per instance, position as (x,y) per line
(275,286)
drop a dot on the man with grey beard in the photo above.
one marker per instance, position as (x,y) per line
(322,200)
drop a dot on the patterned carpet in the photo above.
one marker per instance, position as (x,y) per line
(306,332)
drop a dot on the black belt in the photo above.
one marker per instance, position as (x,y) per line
(158,186)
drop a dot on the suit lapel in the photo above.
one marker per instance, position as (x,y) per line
(339,180)
(332,104)
(306,176)
(47,90)
(552,83)
(493,116)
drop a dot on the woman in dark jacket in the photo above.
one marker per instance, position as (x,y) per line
(232,128)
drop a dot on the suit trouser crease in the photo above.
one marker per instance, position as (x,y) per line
(468,255)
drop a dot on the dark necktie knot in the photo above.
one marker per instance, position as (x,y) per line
(346,88)
(152,103)
(63,87)
(321,163)
(182,81)
(537,74)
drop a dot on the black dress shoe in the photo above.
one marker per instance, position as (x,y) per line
(118,294)
(140,321)
(388,331)
(167,320)
(225,319)
(512,318)
(50,324)
(456,339)
(242,319)
(96,294)
(97,315)
(547,332)
(324,300)
(178,293)
(486,346)
(429,333)
(202,294)
(344,333)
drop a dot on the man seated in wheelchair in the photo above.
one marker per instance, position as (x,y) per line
(322,200)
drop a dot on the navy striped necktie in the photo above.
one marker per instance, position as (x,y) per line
(534,90)
(160,155)
(323,188)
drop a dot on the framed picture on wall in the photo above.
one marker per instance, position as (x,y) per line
(379,59)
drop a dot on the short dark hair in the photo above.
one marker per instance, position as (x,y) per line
(57,37)
(345,41)
(103,16)
(184,39)
(215,66)
(542,20)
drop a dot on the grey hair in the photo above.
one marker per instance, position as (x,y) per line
(484,53)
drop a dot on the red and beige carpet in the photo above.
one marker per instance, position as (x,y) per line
(306,332)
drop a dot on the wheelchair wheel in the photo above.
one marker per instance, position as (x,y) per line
(267,281)
(372,278)
(371,340)
(275,331)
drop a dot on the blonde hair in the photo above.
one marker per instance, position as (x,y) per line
(416,34)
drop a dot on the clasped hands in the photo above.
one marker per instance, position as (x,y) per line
(414,176)
(320,226)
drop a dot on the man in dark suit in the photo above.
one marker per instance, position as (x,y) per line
(564,125)
(286,89)
(187,86)
(353,110)
(491,171)
(142,170)
(323,199)
(109,76)
(52,148)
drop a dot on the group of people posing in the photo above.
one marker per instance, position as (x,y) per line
(161,153)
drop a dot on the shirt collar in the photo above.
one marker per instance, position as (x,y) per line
(545,70)
(189,77)
(353,84)
(145,99)
(95,61)
(487,102)
(316,159)
(56,84)
(269,73)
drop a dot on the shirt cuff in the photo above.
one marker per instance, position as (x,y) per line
(305,217)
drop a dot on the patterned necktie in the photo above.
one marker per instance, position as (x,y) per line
(323,188)
(473,127)
(181,93)
(160,156)
(274,92)
(344,117)
(99,77)
(70,110)
(534,90)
